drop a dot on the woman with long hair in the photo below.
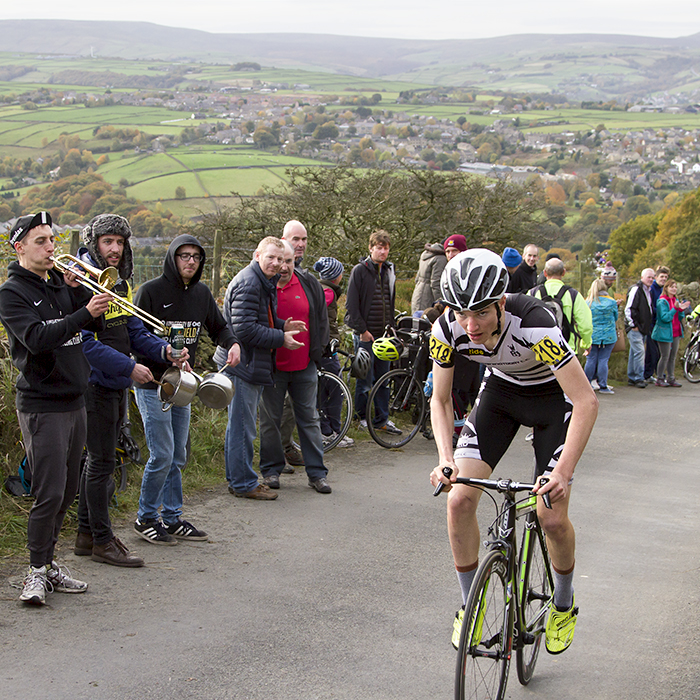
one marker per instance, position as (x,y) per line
(604,313)
(668,331)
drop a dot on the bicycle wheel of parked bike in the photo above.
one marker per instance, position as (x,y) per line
(407,408)
(691,361)
(536,594)
(334,407)
(485,644)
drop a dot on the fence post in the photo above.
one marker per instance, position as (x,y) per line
(74,241)
(216,264)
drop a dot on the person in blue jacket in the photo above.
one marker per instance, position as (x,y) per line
(112,371)
(668,331)
(604,313)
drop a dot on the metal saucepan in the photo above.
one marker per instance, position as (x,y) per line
(177,388)
(215,390)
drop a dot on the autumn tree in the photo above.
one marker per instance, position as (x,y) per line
(341,206)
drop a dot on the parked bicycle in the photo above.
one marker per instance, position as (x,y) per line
(408,406)
(335,406)
(691,356)
(509,599)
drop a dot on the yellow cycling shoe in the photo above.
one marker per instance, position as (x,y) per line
(560,629)
(457,627)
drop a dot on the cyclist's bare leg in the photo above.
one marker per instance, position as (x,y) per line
(561,538)
(462,525)
(561,544)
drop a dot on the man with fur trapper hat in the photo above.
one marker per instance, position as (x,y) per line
(106,238)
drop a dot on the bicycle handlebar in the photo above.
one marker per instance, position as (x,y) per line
(500,485)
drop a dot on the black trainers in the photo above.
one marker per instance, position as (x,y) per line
(154,531)
(182,530)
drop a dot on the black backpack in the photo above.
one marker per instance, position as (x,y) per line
(556,305)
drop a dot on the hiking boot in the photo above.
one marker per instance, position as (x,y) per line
(116,553)
(321,485)
(294,457)
(62,582)
(182,530)
(260,493)
(83,544)
(272,481)
(560,629)
(35,586)
(153,531)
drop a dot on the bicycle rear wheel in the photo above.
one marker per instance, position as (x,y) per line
(535,596)
(407,408)
(334,406)
(485,644)
(691,361)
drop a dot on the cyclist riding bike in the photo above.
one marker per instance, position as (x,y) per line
(532,378)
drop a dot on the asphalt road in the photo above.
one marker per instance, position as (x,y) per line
(352,595)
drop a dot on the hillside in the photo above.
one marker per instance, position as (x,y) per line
(582,66)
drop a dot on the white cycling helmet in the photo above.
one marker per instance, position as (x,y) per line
(473,280)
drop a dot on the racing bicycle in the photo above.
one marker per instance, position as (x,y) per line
(510,597)
(691,356)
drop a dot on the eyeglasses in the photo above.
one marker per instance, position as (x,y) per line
(189,256)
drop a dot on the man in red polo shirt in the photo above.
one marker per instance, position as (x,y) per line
(299,297)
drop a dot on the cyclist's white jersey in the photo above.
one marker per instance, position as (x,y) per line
(531,344)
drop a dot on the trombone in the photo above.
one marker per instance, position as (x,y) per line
(102,284)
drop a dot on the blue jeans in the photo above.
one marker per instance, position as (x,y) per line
(166,436)
(635,364)
(302,387)
(240,435)
(363,386)
(597,363)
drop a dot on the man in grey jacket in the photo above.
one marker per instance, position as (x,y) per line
(427,289)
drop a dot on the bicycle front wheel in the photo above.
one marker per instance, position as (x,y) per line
(535,597)
(407,408)
(485,644)
(691,361)
(334,407)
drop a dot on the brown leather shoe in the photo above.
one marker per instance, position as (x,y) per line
(83,544)
(261,493)
(115,553)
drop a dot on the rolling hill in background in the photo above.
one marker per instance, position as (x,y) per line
(581,66)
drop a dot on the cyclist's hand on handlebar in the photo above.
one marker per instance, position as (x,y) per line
(555,485)
(439,478)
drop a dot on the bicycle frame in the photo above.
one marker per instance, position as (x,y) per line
(503,538)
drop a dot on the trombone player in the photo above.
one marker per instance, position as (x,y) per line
(106,240)
(44,312)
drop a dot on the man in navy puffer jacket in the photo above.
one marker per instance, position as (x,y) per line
(250,310)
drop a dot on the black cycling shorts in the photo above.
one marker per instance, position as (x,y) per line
(501,408)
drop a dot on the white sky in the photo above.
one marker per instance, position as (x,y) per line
(410,19)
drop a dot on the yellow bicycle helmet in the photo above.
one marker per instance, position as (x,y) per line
(387,348)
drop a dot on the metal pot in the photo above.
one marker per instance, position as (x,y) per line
(177,388)
(215,390)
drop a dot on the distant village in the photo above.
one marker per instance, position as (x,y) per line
(359,130)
